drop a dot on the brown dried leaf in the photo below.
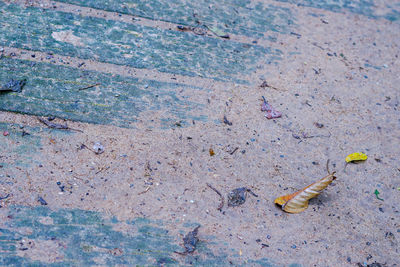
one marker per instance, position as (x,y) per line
(298,201)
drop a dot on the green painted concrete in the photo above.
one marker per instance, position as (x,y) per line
(121,43)
(19,147)
(241,17)
(86,238)
(52,90)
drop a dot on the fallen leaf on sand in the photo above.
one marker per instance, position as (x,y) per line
(298,201)
(358,156)
(270,111)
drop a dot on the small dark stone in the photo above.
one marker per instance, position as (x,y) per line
(318,125)
(42,201)
(348,259)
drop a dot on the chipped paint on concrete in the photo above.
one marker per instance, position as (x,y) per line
(54,91)
(133,45)
(242,17)
(21,147)
(73,237)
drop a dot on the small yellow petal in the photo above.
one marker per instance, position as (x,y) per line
(356,157)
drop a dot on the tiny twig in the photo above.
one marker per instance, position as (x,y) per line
(87,87)
(221,205)
(327,166)
(57,126)
(234,150)
(251,192)
(102,169)
(145,191)
(265,100)
(181,253)
(344,168)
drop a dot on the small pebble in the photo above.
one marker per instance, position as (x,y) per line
(5,133)
(98,148)
(293,246)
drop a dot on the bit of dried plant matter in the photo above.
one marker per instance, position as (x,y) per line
(56,125)
(190,241)
(298,201)
(221,205)
(271,112)
(211,151)
(14,86)
(238,196)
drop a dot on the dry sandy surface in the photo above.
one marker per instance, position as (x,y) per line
(162,173)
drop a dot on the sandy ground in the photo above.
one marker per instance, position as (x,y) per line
(162,173)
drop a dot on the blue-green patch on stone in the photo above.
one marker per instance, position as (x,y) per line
(129,44)
(241,17)
(53,90)
(19,146)
(85,238)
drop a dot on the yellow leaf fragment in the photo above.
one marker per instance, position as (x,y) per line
(211,151)
(356,157)
(298,201)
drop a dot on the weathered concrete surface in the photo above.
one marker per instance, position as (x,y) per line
(156,97)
